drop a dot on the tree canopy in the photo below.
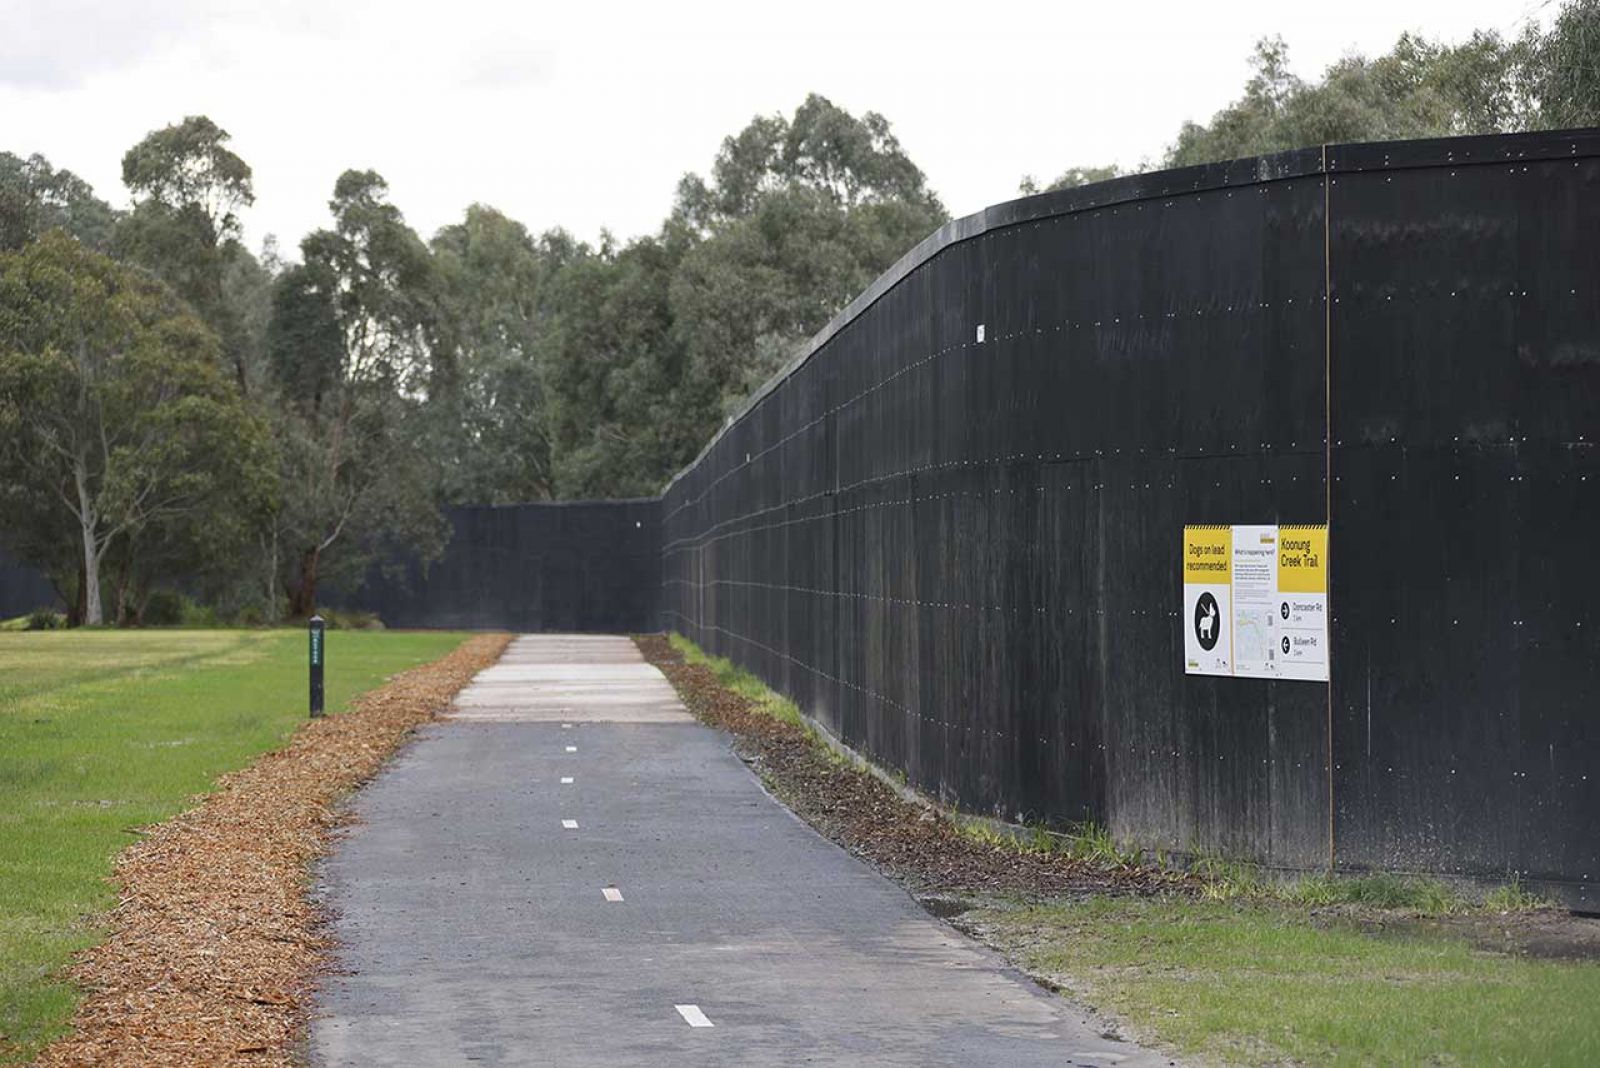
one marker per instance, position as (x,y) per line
(350,342)
(189,164)
(653,344)
(187,187)
(1540,79)
(490,417)
(35,197)
(114,420)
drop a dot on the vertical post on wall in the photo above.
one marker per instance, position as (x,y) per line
(318,655)
(1327,468)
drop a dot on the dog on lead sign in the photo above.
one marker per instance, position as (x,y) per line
(1208,600)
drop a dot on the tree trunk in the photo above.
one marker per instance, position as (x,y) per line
(303,597)
(79,599)
(93,614)
(272,601)
(122,613)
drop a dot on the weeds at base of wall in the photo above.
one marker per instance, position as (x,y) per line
(1514,897)
(1225,879)
(744,684)
(1085,841)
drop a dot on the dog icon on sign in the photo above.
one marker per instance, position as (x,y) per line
(1206,616)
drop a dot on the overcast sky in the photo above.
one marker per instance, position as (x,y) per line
(584,115)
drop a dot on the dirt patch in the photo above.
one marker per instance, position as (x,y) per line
(1540,934)
(214,942)
(917,845)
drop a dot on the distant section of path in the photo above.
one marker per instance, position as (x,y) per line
(572,871)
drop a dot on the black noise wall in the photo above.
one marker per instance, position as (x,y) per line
(569,566)
(951,531)
(23,589)
(1465,392)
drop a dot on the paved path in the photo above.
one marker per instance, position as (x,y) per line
(572,871)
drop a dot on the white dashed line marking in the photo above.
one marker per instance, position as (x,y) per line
(612,893)
(570,825)
(572,749)
(566,780)
(693,1016)
(566,726)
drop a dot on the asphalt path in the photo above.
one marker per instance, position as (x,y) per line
(569,870)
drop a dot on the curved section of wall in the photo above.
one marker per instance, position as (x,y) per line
(951,531)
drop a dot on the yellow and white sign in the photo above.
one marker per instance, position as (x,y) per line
(1207,600)
(1303,603)
(1255,601)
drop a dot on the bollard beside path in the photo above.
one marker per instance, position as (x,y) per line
(318,655)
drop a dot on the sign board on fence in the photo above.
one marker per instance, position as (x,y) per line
(1255,601)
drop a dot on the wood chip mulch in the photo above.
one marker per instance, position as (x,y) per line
(214,942)
(914,843)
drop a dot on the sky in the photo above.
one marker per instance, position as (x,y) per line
(585,115)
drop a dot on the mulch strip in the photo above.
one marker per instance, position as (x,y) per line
(914,843)
(214,943)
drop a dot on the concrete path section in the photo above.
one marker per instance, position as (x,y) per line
(571,871)
(570,677)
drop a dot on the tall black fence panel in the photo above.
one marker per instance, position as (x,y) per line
(23,589)
(585,566)
(952,529)
(1465,384)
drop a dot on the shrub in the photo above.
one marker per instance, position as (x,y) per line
(1514,897)
(191,613)
(163,608)
(45,619)
(337,619)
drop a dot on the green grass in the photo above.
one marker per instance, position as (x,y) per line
(1415,894)
(1087,841)
(1260,982)
(102,732)
(1513,897)
(742,683)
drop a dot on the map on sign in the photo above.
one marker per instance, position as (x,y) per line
(1253,641)
(1256,601)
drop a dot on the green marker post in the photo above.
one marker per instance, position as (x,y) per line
(318,655)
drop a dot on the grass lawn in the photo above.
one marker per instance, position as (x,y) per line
(1269,983)
(102,732)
